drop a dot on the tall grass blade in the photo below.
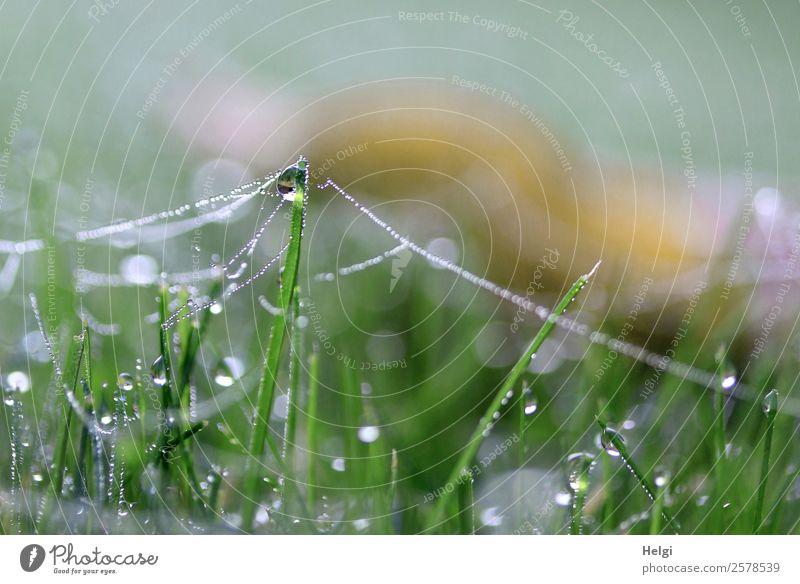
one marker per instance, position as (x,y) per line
(486,422)
(614,445)
(466,503)
(312,427)
(770,407)
(266,390)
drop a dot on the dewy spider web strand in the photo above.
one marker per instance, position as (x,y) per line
(250,246)
(654,360)
(180,315)
(236,195)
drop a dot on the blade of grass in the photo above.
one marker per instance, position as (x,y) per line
(466,514)
(266,390)
(658,509)
(581,464)
(486,422)
(775,508)
(770,410)
(312,427)
(58,469)
(720,455)
(612,438)
(390,497)
(170,401)
(293,397)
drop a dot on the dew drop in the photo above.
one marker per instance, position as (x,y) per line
(607,438)
(262,516)
(337,464)
(531,404)
(18,381)
(563,498)
(125,381)
(770,402)
(368,434)
(158,372)
(287,180)
(227,371)
(578,464)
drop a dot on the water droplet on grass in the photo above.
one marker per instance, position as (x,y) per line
(262,516)
(661,477)
(125,381)
(337,464)
(563,498)
(228,370)
(368,434)
(531,404)
(770,402)
(607,438)
(578,464)
(159,372)
(287,181)
(18,381)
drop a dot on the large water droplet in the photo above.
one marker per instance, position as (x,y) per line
(227,371)
(578,464)
(287,180)
(368,434)
(531,402)
(159,372)
(18,381)
(262,516)
(607,438)
(125,381)
(770,402)
(563,498)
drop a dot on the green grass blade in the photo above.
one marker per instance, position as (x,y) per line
(293,397)
(719,439)
(580,466)
(312,427)
(770,406)
(613,441)
(266,390)
(486,422)
(466,503)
